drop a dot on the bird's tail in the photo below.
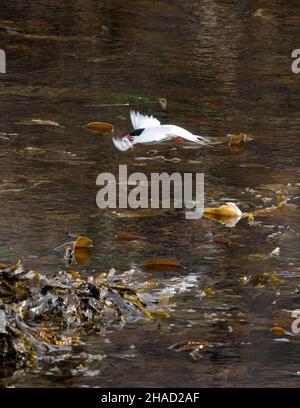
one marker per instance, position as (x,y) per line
(122,144)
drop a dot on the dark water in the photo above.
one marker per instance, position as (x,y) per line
(224,68)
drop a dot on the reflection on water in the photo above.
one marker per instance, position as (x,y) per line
(224,68)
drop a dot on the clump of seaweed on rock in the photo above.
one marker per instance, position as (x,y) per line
(40,314)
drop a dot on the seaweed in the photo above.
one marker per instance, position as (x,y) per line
(40,314)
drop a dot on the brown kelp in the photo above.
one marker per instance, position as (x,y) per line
(40,314)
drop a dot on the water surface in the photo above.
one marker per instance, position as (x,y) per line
(224,67)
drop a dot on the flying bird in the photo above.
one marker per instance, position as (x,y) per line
(148,130)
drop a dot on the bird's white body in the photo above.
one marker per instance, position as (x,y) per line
(150,131)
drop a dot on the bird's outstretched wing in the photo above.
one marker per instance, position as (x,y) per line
(122,144)
(140,121)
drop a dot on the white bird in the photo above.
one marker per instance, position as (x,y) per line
(148,130)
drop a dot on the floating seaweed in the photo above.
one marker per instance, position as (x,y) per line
(162,264)
(30,122)
(100,127)
(194,348)
(262,279)
(78,251)
(163,103)
(237,142)
(127,236)
(39,314)
(228,214)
